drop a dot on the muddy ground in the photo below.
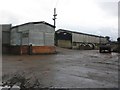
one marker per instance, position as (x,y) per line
(66,69)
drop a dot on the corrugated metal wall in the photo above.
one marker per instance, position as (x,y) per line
(25,38)
(43,28)
(35,34)
(42,35)
(15,37)
(85,38)
(36,38)
(5,37)
(75,37)
(49,39)
(6,33)
(65,43)
(103,40)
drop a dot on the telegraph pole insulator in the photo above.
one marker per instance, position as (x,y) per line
(54,19)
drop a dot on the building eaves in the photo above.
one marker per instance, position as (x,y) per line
(41,22)
(79,33)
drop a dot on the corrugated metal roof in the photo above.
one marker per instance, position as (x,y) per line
(78,33)
(43,22)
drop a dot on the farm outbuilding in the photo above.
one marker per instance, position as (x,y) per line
(33,37)
(5,37)
(77,40)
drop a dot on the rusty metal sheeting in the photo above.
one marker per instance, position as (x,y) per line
(25,49)
(43,49)
(19,49)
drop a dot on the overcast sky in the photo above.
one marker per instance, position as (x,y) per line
(99,17)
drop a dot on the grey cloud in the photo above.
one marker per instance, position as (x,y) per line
(8,17)
(109,7)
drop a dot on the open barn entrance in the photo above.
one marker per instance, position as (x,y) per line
(63,39)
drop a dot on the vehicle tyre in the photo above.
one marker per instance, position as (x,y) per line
(100,50)
(109,50)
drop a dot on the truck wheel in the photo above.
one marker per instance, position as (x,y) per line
(100,50)
(109,50)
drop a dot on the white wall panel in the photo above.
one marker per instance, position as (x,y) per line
(36,38)
(49,39)
(15,37)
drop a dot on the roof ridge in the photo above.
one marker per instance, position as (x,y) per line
(34,23)
(81,33)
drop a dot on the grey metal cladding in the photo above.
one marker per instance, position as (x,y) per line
(5,33)
(6,38)
(36,38)
(83,37)
(43,28)
(15,37)
(49,39)
(6,27)
(35,33)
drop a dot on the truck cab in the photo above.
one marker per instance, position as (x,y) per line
(106,47)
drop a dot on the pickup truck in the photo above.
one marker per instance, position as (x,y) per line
(105,48)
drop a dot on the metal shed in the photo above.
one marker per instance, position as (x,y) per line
(5,37)
(35,34)
(77,40)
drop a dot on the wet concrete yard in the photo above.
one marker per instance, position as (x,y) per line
(68,68)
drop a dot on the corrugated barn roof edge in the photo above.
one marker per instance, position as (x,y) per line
(34,23)
(79,33)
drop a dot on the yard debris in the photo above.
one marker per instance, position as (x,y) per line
(22,81)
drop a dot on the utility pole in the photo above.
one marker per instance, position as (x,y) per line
(54,19)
